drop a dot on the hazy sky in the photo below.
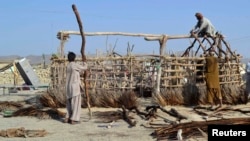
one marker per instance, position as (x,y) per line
(29,27)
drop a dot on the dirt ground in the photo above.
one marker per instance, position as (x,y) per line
(94,129)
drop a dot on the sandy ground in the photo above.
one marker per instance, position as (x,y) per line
(90,130)
(87,130)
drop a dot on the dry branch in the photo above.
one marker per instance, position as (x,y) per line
(49,100)
(127,118)
(39,113)
(172,111)
(192,127)
(10,105)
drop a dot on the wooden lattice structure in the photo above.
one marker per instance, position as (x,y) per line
(170,78)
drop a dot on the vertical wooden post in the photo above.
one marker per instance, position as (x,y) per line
(162,42)
(62,46)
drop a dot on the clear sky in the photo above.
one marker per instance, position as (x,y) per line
(29,27)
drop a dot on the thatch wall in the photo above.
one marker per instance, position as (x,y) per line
(182,77)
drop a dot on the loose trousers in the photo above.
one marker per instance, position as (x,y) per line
(73,106)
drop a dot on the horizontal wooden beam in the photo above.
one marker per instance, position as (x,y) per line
(148,37)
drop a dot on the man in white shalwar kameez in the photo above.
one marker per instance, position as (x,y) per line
(73,89)
(203,27)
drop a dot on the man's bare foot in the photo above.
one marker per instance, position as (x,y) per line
(75,122)
(66,120)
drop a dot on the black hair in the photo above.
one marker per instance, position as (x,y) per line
(198,15)
(71,56)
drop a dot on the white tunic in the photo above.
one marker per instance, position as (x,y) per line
(73,81)
(204,26)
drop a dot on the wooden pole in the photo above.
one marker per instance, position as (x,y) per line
(162,40)
(83,55)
